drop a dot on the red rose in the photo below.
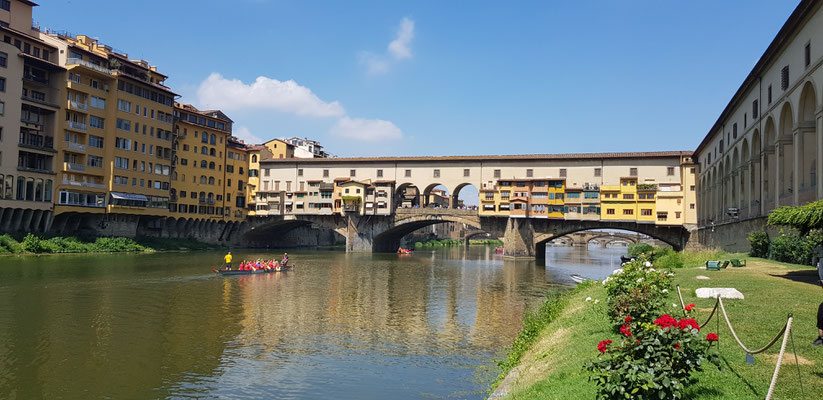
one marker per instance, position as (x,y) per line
(677,346)
(625,330)
(627,320)
(688,323)
(712,337)
(689,307)
(602,346)
(665,321)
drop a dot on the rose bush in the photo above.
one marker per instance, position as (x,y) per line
(637,290)
(654,361)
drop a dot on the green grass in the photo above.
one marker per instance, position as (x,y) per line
(32,244)
(553,364)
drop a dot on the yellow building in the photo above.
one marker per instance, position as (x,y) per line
(210,166)
(279,148)
(619,202)
(116,134)
(273,149)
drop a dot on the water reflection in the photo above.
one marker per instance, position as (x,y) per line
(340,325)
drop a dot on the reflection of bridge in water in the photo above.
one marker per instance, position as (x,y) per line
(522,237)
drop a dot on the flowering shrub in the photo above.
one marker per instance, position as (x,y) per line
(654,361)
(637,290)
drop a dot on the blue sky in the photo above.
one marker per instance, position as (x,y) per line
(447,78)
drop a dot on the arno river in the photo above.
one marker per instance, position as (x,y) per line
(342,326)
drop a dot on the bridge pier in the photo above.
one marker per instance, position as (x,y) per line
(361,232)
(518,239)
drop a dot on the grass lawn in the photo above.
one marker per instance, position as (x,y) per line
(552,368)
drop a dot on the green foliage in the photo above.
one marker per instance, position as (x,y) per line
(637,290)
(646,186)
(438,243)
(760,244)
(796,249)
(636,249)
(654,361)
(486,242)
(61,244)
(803,218)
(670,260)
(33,244)
(9,245)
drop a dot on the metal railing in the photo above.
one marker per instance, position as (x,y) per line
(84,184)
(98,68)
(76,105)
(74,166)
(77,125)
(76,146)
(37,141)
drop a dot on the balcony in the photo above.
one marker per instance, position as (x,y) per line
(40,80)
(79,126)
(76,147)
(41,101)
(84,184)
(206,201)
(98,68)
(68,166)
(76,105)
(37,142)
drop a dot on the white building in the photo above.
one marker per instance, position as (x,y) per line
(306,148)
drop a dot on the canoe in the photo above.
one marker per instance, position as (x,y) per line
(578,278)
(258,272)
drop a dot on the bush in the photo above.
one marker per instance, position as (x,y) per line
(33,244)
(654,361)
(9,245)
(636,249)
(671,260)
(760,244)
(637,290)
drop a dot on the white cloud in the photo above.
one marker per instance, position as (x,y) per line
(244,134)
(265,93)
(366,129)
(400,47)
(375,64)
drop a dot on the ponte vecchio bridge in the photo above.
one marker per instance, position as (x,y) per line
(525,200)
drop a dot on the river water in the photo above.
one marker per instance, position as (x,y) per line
(342,326)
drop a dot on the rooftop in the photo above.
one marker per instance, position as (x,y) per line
(522,157)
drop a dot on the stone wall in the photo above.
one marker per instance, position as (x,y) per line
(733,237)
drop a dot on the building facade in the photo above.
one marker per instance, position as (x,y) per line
(764,151)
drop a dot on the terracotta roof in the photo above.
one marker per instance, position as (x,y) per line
(523,157)
(338,179)
(315,181)
(379,182)
(775,50)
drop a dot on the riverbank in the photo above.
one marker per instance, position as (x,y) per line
(552,367)
(456,242)
(32,244)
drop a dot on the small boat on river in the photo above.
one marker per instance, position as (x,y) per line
(578,278)
(499,250)
(250,272)
(404,251)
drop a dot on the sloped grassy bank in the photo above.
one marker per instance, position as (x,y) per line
(547,360)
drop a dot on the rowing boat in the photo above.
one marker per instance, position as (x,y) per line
(249,272)
(578,278)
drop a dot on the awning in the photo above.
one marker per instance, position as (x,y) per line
(129,196)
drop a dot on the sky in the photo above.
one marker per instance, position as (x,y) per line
(377,78)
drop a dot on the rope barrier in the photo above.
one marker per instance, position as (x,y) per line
(787,329)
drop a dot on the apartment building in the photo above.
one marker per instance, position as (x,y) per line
(115,143)
(31,89)
(237,175)
(305,148)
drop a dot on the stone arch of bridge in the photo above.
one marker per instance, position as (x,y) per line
(389,240)
(458,190)
(540,239)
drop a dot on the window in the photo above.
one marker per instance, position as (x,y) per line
(96,141)
(124,105)
(755,109)
(646,211)
(769,94)
(5,4)
(745,120)
(123,144)
(436,173)
(807,55)
(691,206)
(670,171)
(628,211)
(677,214)
(691,188)
(97,122)
(97,102)
(466,172)
(784,78)
(123,124)
(352,172)
(734,131)
(610,211)
(2,108)
(4,59)
(529,173)
(2,84)
(299,172)
(628,197)
(121,162)
(497,173)
(662,216)
(379,173)
(632,171)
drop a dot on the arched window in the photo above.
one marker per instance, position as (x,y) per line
(212,152)
(21,188)
(254,158)
(211,165)
(48,190)
(204,138)
(2,192)
(211,180)
(204,164)
(211,196)
(203,179)
(213,139)
(174,176)
(30,189)
(9,187)
(38,190)
(204,150)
